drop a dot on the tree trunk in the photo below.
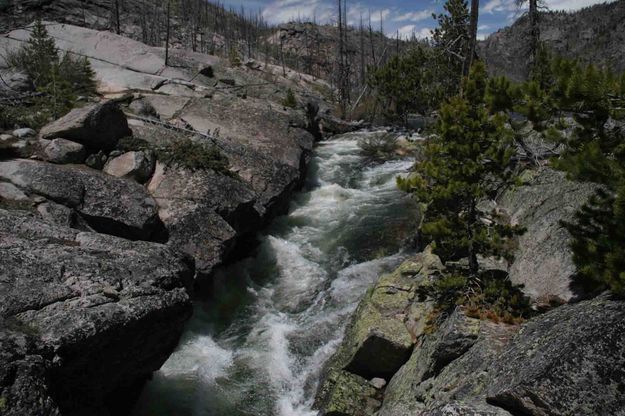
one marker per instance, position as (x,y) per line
(534,32)
(472,218)
(468,60)
(117,24)
(167,33)
(341,63)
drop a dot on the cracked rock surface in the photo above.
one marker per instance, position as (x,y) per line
(64,292)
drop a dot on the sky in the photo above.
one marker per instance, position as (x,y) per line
(399,16)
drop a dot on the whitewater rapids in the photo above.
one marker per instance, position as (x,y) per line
(257,345)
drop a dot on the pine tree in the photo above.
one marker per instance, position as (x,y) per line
(58,80)
(595,152)
(403,84)
(469,157)
(37,57)
(449,40)
(289,99)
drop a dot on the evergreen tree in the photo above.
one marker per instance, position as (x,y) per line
(38,56)
(403,84)
(289,99)
(449,40)
(467,160)
(595,151)
(58,80)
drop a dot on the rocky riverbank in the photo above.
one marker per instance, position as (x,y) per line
(102,238)
(401,356)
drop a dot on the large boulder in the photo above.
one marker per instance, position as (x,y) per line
(569,361)
(94,315)
(204,212)
(108,204)
(23,387)
(450,365)
(97,126)
(380,337)
(347,394)
(62,151)
(543,262)
(15,82)
(134,165)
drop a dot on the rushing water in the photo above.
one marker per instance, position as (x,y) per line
(257,345)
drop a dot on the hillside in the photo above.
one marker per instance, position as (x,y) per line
(313,48)
(594,34)
(199,26)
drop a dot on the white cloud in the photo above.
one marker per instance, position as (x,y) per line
(280,11)
(498,6)
(405,31)
(570,5)
(414,16)
(423,33)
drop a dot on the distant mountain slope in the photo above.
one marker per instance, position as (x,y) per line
(595,35)
(314,48)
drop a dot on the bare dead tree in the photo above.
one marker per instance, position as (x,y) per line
(534,28)
(167,33)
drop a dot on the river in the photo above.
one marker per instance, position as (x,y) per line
(257,344)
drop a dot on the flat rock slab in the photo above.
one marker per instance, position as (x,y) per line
(543,262)
(110,205)
(125,302)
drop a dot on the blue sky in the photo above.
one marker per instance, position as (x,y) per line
(405,16)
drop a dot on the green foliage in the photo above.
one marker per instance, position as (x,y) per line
(490,297)
(193,156)
(378,147)
(233,57)
(78,73)
(289,100)
(429,74)
(182,153)
(132,143)
(593,150)
(468,158)
(58,80)
(403,84)
(38,57)
(598,231)
(449,40)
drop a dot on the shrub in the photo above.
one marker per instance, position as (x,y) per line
(183,153)
(489,297)
(233,57)
(289,100)
(58,80)
(194,156)
(379,146)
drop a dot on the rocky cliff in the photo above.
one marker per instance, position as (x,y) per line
(402,356)
(102,239)
(594,35)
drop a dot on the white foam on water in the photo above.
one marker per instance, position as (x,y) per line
(297,318)
(298,276)
(354,280)
(198,357)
